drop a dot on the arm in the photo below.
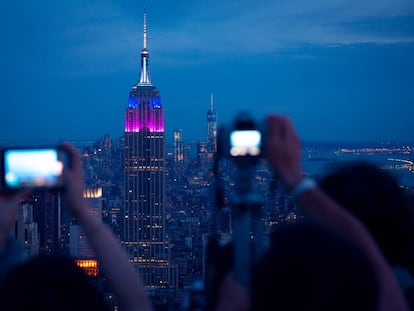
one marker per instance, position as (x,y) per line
(232,296)
(122,275)
(284,157)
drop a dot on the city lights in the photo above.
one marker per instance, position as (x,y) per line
(89,266)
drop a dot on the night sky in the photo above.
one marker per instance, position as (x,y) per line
(343,70)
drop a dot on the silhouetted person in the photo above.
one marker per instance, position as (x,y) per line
(50,283)
(284,157)
(375,197)
(311,267)
(123,278)
(338,227)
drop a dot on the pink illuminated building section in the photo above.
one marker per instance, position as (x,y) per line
(144,119)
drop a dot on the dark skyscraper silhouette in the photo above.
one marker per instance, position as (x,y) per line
(211,127)
(178,150)
(143,230)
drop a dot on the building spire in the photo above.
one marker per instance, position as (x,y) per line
(145,75)
(211,102)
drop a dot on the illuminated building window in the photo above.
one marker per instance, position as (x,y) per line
(89,266)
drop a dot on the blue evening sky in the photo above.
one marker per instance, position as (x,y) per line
(342,69)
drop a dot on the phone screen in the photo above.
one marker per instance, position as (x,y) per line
(245,142)
(31,168)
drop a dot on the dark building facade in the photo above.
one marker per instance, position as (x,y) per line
(53,222)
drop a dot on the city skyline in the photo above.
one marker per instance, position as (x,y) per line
(341,70)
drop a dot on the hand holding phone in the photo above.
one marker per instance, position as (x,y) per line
(245,143)
(34,168)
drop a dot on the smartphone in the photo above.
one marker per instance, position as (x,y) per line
(34,167)
(245,143)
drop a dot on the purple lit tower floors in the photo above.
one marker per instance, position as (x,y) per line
(143,217)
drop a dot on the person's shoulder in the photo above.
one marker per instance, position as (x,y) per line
(405,280)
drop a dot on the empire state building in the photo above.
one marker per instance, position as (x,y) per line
(143,225)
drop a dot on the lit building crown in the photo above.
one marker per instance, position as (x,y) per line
(144,112)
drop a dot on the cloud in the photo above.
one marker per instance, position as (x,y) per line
(98,36)
(265,26)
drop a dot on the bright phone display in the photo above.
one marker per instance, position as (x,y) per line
(33,168)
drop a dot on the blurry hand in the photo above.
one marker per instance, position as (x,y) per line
(284,150)
(75,184)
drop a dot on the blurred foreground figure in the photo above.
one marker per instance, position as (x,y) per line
(50,283)
(310,267)
(331,264)
(284,157)
(59,281)
(374,197)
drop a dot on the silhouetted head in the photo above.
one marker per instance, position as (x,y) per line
(310,267)
(50,283)
(375,197)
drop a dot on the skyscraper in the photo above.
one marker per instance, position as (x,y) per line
(143,223)
(79,245)
(178,147)
(211,128)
